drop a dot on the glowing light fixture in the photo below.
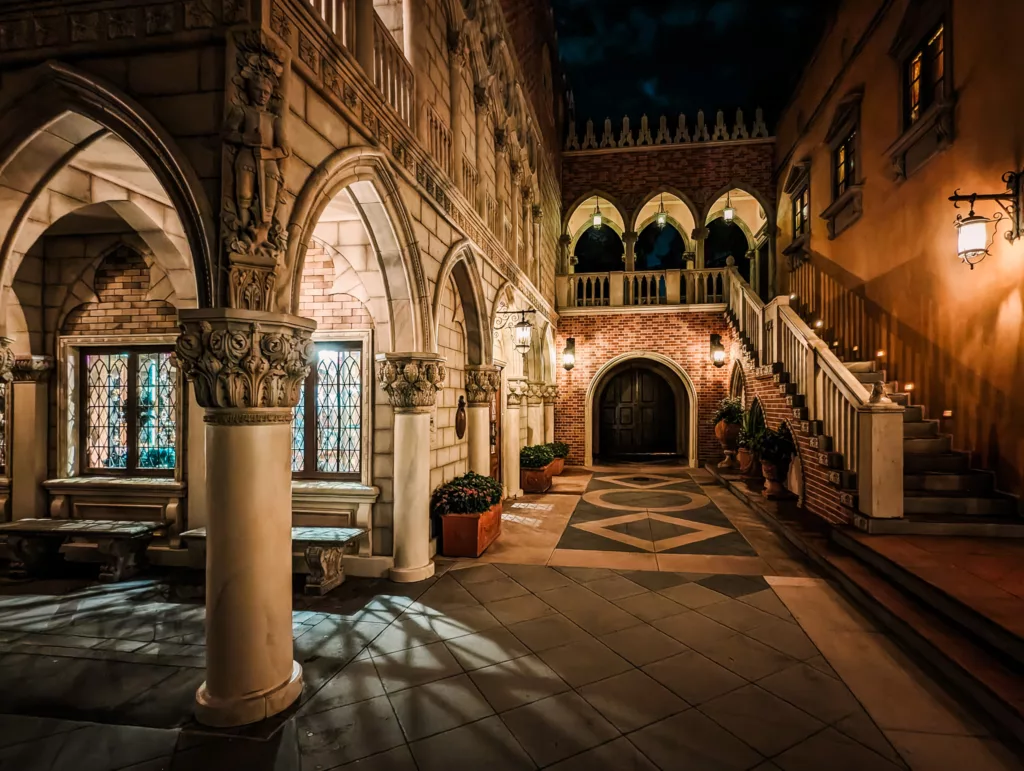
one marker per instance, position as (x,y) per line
(972,231)
(792,297)
(729,212)
(972,240)
(880,354)
(662,214)
(717,351)
(598,219)
(908,387)
(819,324)
(569,354)
(522,331)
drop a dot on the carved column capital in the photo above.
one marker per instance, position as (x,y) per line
(700,234)
(482,382)
(31,369)
(629,238)
(246,366)
(6,360)
(411,380)
(516,391)
(550,394)
(534,392)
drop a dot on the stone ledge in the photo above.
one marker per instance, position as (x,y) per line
(84,484)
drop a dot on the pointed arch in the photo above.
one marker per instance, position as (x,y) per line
(460,265)
(635,226)
(763,200)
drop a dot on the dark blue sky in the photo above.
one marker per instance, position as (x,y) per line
(672,56)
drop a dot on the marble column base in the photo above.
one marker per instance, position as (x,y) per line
(411,575)
(251,708)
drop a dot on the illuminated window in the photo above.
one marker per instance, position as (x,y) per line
(925,75)
(801,212)
(844,159)
(327,424)
(130,403)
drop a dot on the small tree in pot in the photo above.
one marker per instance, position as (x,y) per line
(561,451)
(776,449)
(469,508)
(728,420)
(535,462)
(746,457)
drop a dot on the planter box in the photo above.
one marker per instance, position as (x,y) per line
(536,480)
(469,535)
(557,466)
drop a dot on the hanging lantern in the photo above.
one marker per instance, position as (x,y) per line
(662,214)
(729,212)
(524,332)
(598,219)
(972,238)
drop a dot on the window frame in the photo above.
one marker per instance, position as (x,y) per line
(850,150)
(362,341)
(800,201)
(926,76)
(844,135)
(81,398)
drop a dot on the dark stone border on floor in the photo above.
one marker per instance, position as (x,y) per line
(919,630)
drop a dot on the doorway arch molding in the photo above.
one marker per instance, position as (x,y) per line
(608,366)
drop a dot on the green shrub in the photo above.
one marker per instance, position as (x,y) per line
(558,449)
(775,446)
(535,456)
(753,425)
(469,494)
(731,411)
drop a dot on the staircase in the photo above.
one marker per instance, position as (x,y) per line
(942,495)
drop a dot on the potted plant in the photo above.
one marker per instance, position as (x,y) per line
(469,508)
(728,420)
(561,451)
(535,462)
(776,449)
(753,426)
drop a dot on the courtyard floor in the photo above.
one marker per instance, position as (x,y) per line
(639,618)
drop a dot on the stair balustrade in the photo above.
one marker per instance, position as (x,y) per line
(852,430)
(392,72)
(620,289)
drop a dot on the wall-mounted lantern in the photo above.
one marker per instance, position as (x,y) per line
(973,241)
(717,351)
(662,214)
(729,212)
(569,354)
(598,219)
(522,332)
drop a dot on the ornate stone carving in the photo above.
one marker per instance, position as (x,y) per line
(160,19)
(6,360)
(255,148)
(550,394)
(84,27)
(481,383)
(120,24)
(879,395)
(198,14)
(534,393)
(516,391)
(244,360)
(411,380)
(33,369)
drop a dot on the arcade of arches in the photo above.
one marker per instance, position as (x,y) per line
(265,268)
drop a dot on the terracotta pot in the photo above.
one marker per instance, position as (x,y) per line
(728,435)
(535,480)
(469,535)
(747,461)
(773,476)
(557,466)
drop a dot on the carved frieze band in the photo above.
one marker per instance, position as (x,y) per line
(239,360)
(32,369)
(481,384)
(411,380)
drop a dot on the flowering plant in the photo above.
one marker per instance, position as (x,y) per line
(468,494)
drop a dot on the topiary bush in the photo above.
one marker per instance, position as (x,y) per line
(468,494)
(535,456)
(558,449)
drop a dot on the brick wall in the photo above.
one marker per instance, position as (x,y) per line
(699,171)
(682,337)
(122,287)
(331,310)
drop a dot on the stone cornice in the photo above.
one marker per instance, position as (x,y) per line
(411,380)
(244,360)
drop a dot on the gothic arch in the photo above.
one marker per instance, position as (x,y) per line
(460,264)
(687,201)
(571,210)
(764,202)
(58,114)
(365,172)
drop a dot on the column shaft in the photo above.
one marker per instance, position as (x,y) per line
(412,496)
(510,442)
(478,427)
(27,462)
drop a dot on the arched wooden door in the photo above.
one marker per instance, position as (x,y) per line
(637,415)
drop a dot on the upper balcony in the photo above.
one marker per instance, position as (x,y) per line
(639,289)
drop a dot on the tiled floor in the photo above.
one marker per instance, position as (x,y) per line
(495,666)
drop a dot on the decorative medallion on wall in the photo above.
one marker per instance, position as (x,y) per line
(460,418)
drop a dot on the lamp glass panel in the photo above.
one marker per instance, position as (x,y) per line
(972,237)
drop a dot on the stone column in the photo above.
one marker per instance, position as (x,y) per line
(537,211)
(482,381)
(457,54)
(411,381)
(629,239)
(550,397)
(247,368)
(534,413)
(565,261)
(516,174)
(481,103)
(699,236)
(510,440)
(27,461)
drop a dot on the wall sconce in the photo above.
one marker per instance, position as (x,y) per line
(972,231)
(523,330)
(717,351)
(569,354)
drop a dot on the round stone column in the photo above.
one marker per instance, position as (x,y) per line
(482,382)
(550,397)
(247,368)
(534,413)
(411,381)
(510,450)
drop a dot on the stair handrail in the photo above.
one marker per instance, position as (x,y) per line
(855,391)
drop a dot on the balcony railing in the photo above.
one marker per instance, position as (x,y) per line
(340,17)
(392,72)
(650,287)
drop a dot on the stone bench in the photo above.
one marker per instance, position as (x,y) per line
(36,543)
(123,499)
(324,549)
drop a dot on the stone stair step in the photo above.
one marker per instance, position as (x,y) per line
(959,504)
(913,413)
(899,397)
(928,445)
(947,462)
(977,482)
(861,366)
(921,429)
(870,377)
(950,525)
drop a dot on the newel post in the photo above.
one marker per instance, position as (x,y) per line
(880,459)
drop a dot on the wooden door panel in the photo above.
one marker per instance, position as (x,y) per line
(637,414)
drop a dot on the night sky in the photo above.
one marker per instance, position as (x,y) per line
(670,56)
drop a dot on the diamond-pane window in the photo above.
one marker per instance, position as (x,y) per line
(327,427)
(131,407)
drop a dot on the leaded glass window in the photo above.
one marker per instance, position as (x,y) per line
(130,402)
(327,425)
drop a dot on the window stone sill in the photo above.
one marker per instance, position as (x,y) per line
(844,211)
(931,134)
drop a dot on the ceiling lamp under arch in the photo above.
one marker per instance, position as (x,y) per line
(598,219)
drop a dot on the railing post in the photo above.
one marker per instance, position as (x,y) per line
(672,292)
(615,287)
(880,461)
(364,35)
